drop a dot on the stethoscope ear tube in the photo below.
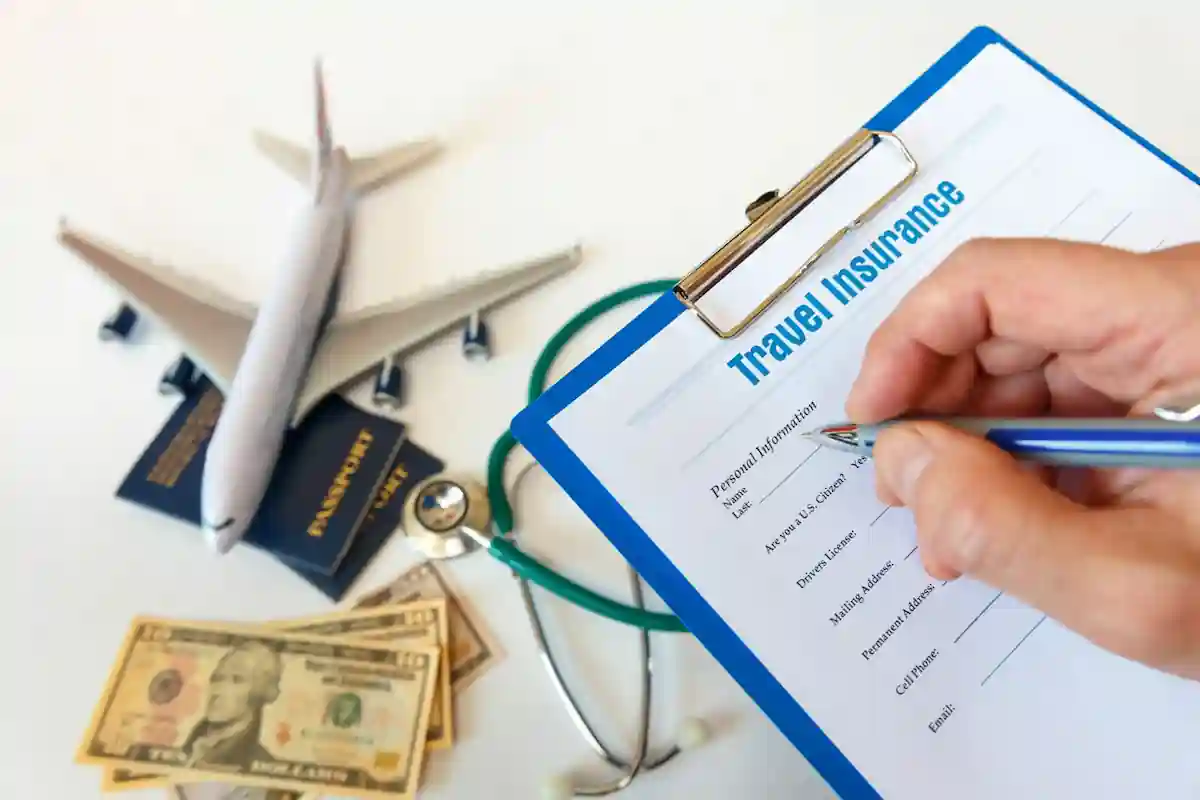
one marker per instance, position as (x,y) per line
(533,570)
(529,570)
(504,548)
(691,734)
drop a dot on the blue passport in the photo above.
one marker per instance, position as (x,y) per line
(333,472)
(412,465)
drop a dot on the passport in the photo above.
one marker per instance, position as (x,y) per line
(412,465)
(330,469)
(333,500)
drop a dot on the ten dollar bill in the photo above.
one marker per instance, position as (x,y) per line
(423,621)
(472,649)
(207,702)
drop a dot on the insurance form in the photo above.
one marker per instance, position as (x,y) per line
(927,689)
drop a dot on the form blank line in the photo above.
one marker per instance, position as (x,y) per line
(795,469)
(1010,652)
(1113,229)
(977,616)
(910,552)
(881,513)
(1071,213)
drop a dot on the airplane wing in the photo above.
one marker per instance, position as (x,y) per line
(289,157)
(359,340)
(367,172)
(212,327)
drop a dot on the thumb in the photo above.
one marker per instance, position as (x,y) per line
(978,511)
(1128,578)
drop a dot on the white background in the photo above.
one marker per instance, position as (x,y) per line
(643,133)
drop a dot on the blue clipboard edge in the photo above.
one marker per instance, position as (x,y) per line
(532,429)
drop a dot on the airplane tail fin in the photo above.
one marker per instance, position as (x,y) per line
(367,172)
(324,135)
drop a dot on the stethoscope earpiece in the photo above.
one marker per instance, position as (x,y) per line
(558,787)
(693,733)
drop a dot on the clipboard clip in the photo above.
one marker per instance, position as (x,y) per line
(770,212)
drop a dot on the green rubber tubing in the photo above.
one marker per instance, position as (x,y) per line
(502,513)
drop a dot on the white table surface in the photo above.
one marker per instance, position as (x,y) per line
(642,133)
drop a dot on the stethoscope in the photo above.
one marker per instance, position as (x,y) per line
(449,515)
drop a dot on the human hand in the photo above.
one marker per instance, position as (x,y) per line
(1048,328)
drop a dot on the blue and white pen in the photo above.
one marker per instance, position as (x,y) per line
(1170,439)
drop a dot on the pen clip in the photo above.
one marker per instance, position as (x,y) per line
(1180,412)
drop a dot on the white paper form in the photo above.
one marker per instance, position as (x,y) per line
(931,690)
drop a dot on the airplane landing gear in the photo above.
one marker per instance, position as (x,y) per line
(120,324)
(477,340)
(389,384)
(179,378)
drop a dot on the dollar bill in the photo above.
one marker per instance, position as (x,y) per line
(119,780)
(473,650)
(252,707)
(225,791)
(123,780)
(422,621)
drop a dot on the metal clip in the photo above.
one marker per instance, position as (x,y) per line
(771,212)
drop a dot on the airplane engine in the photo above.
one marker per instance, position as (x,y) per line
(477,340)
(179,378)
(120,324)
(389,384)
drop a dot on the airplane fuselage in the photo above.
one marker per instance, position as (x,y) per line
(258,408)
(274,360)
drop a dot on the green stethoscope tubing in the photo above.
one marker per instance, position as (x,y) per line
(504,549)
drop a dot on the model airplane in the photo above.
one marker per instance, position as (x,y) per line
(274,363)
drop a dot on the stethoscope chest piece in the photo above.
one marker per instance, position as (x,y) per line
(439,512)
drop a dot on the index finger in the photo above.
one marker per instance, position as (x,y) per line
(1062,297)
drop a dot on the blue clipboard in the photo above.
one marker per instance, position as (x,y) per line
(532,429)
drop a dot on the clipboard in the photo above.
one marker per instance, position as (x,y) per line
(533,428)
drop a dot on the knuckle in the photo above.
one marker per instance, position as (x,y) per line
(952,521)
(966,252)
(970,257)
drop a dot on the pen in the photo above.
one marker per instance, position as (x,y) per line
(1083,442)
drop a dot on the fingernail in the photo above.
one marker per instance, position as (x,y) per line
(903,456)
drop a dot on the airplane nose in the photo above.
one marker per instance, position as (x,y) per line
(222,536)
